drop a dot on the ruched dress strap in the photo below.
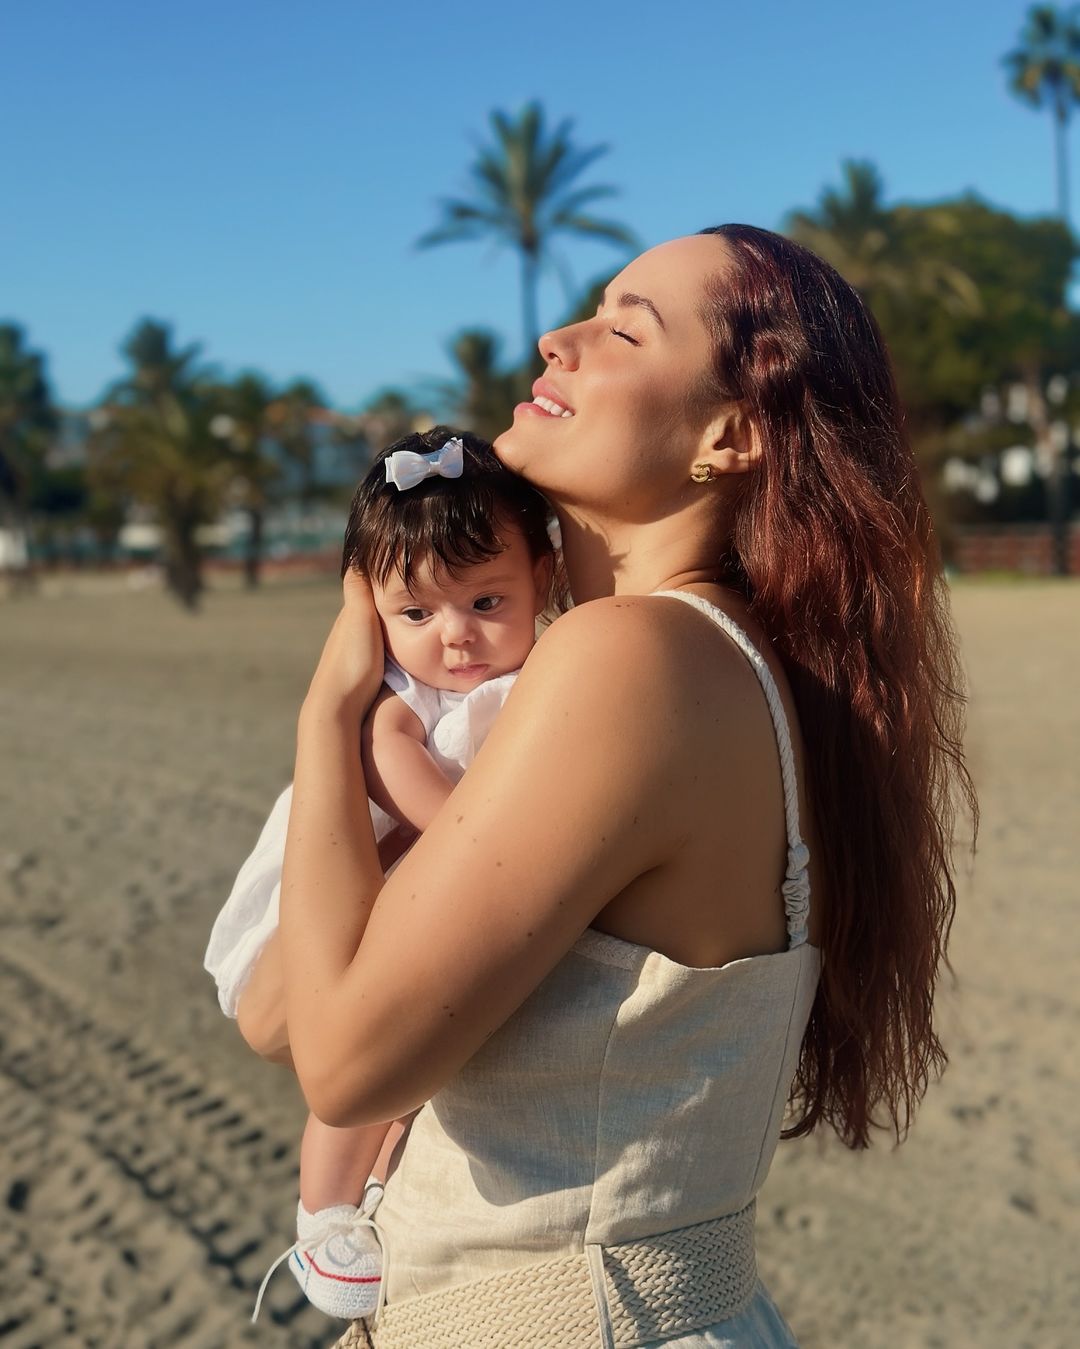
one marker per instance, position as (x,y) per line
(796,886)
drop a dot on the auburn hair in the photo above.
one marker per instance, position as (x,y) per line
(833,547)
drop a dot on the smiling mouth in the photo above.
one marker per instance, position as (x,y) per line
(552,408)
(548,399)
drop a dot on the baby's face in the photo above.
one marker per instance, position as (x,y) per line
(455,633)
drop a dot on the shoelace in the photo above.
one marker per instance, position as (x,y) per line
(331,1229)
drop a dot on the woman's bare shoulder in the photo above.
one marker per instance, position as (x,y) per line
(633,642)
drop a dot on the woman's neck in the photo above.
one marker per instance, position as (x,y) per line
(634,559)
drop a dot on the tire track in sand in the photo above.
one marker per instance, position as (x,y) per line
(143,1204)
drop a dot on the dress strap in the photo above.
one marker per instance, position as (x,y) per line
(796,886)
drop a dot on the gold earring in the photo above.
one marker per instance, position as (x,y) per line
(702,473)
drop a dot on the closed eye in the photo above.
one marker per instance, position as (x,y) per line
(626,337)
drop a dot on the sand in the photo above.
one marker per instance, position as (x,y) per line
(148,1160)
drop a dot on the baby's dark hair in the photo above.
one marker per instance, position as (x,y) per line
(453,523)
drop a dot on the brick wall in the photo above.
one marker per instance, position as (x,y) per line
(1019,548)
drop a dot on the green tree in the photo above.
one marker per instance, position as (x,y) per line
(866,241)
(1022,333)
(389,415)
(292,419)
(970,299)
(1044,70)
(156,446)
(242,423)
(484,395)
(525,194)
(27,420)
(1027,333)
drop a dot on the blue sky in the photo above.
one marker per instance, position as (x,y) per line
(256,171)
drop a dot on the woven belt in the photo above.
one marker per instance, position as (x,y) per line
(610,1297)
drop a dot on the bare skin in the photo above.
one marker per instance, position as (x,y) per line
(635,755)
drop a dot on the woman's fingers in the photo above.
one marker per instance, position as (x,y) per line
(356,590)
(350,669)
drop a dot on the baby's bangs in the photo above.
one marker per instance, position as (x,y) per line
(446,531)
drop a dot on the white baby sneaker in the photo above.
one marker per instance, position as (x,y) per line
(336,1259)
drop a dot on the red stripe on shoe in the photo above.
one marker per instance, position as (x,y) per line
(341,1278)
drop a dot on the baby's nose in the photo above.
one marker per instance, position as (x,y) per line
(458,629)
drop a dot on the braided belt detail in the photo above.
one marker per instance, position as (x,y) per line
(656,1288)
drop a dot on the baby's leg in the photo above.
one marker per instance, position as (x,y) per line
(336,1163)
(337,1257)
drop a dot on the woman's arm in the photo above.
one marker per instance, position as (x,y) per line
(400,774)
(567,803)
(260,1009)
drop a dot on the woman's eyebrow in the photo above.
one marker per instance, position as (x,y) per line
(629,300)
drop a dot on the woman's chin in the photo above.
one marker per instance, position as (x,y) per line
(508,450)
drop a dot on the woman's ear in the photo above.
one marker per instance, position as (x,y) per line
(728,445)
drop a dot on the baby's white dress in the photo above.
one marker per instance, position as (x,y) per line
(455,726)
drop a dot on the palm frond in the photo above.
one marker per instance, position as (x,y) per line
(1045,67)
(573,201)
(572,166)
(609,230)
(463,221)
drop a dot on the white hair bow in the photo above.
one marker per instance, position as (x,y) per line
(405,469)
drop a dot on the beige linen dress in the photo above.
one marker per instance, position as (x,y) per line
(628,1096)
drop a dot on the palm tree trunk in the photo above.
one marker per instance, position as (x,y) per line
(530,320)
(183,562)
(253,557)
(1060,118)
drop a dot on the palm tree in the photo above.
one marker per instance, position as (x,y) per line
(292,418)
(524,195)
(27,417)
(156,445)
(1044,70)
(242,423)
(389,415)
(483,397)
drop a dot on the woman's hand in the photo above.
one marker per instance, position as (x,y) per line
(350,670)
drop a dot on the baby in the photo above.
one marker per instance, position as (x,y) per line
(460,561)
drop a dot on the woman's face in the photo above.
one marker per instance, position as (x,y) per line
(613,421)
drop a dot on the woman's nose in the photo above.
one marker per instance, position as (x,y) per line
(560,346)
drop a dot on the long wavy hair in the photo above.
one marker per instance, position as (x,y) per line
(833,547)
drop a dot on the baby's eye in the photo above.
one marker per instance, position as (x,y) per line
(486,603)
(414,615)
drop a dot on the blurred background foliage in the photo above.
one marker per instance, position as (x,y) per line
(176,462)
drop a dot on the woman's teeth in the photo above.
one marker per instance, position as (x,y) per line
(553,408)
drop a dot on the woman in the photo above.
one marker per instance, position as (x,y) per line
(700,870)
